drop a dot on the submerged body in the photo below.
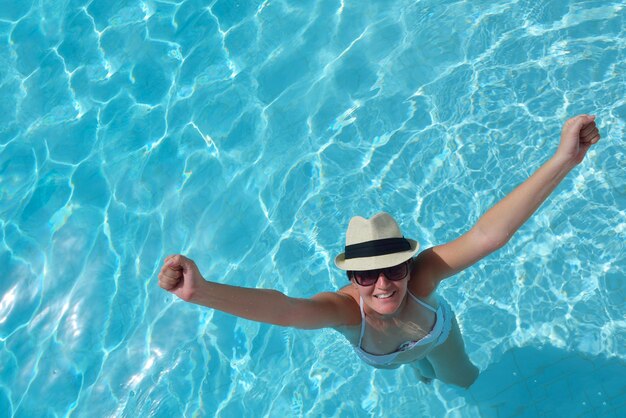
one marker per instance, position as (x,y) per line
(424,339)
(422,332)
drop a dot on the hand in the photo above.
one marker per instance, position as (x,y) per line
(180,276)
(578,135)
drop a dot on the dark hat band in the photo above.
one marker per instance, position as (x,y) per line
(377,247)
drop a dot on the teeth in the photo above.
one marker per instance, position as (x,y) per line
(385,296)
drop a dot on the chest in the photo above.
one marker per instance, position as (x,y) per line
(386,336)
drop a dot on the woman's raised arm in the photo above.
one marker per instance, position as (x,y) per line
(180,276)
(498,224)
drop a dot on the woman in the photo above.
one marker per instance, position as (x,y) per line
(389,312)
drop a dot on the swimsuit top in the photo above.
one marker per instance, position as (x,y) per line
(385,359)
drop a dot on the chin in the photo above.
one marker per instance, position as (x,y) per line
(389,306)
(388,309)
(387,312)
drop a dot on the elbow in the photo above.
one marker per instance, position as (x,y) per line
(491,242)
(294,313)
(285,311)
(494,244)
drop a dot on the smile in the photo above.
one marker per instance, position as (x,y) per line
(385,295)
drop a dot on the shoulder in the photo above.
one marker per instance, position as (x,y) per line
(423,281)
(351,293)
(437,263)
(343,303)
(352,329)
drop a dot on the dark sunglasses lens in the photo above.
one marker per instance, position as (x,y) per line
(366,278)
(396,272)
(369,277)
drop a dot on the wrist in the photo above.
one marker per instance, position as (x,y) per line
(199,291)
(562,162)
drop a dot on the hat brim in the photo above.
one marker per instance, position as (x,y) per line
(377,262)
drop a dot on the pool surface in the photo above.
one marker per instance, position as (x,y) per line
(246,134)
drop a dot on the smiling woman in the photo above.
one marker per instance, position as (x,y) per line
(396,327)
(390,312)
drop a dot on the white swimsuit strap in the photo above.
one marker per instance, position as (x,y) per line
(424,304)
(362,321)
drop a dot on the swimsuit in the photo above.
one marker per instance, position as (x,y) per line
(437,335)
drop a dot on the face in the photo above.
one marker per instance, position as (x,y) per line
(383,290)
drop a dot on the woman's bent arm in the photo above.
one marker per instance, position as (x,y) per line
(498,224)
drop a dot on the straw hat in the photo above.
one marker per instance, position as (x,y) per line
(375,243)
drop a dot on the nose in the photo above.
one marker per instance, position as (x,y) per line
(383,280)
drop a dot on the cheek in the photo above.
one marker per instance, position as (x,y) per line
(403,286)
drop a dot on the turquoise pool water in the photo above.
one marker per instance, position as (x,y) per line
(246,134)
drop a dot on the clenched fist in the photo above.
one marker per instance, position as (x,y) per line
(180,276)
(578,135)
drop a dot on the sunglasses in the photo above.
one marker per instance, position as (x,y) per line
(369,277)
